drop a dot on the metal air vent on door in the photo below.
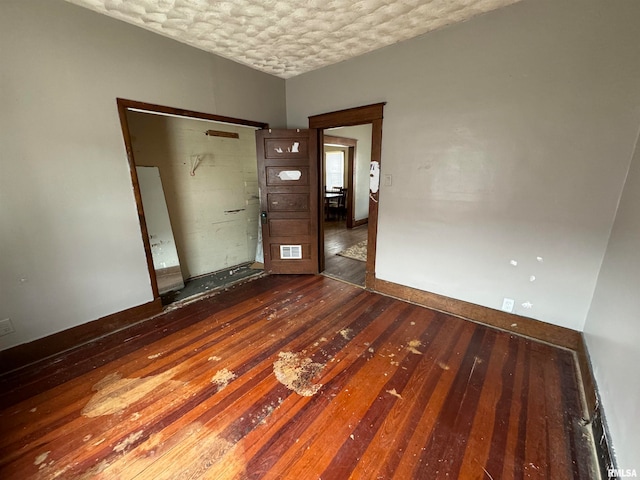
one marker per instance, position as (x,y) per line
(290,252)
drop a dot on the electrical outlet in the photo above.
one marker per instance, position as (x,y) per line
(508,304)
(6,327)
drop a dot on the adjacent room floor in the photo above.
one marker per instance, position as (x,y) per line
(337,239)
(298,377)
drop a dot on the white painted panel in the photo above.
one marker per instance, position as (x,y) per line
(156,214)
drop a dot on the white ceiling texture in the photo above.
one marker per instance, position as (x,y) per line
(289,37)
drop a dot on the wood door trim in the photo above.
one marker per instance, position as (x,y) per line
(144,231)
(348,117)
(180,112)
(123,106)
(363,115)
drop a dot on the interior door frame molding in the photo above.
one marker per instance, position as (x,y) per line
(363,115)
(125,105)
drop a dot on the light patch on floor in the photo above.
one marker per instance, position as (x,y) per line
(346,333)
(41,458)
(413,347)
(114,393)
(443,365)
(297,373)
(213,457)
(394,393)
(200,452)
(127,442)
(222,378)
(61,472)
(265,412)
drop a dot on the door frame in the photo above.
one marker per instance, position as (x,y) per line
(123,106)
(367,114)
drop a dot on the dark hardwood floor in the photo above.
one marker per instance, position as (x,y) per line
(298,377)
(337,237)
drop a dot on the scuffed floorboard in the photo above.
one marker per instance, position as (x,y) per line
(299,377)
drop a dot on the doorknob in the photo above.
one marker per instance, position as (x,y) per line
(263,218)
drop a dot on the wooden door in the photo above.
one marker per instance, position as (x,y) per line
(288,176)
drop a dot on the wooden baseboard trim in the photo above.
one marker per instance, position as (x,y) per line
(602,440)
(556,335)
(588,380)
(595,414)
(358,223)
(28,353)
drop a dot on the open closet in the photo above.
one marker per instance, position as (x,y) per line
(199,186)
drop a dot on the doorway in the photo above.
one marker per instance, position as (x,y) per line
(364,187)
(208,171)
(347,155)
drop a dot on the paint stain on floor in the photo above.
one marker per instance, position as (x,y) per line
(222,378)
(443,365)
(114,393)
(41,458)
(130,440)
(394,393)
(346,333)
(297,373)
(413,347)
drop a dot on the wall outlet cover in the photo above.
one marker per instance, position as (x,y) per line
(6,327)
(508,304)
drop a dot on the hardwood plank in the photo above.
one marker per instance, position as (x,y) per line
(336,239)
(561,336)
(300,377)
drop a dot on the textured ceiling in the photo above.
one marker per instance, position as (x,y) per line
(289,37)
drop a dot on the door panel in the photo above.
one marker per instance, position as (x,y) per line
(283,228)
(287,148)
(288,175)
(288,202)
(280,176)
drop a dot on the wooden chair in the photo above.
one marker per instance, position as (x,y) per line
(334,203)
(342,203)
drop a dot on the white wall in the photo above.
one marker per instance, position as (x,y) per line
(612,329)
(215,211)
(508,138)
(69,235)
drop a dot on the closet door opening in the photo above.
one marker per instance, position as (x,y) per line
(207,170)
